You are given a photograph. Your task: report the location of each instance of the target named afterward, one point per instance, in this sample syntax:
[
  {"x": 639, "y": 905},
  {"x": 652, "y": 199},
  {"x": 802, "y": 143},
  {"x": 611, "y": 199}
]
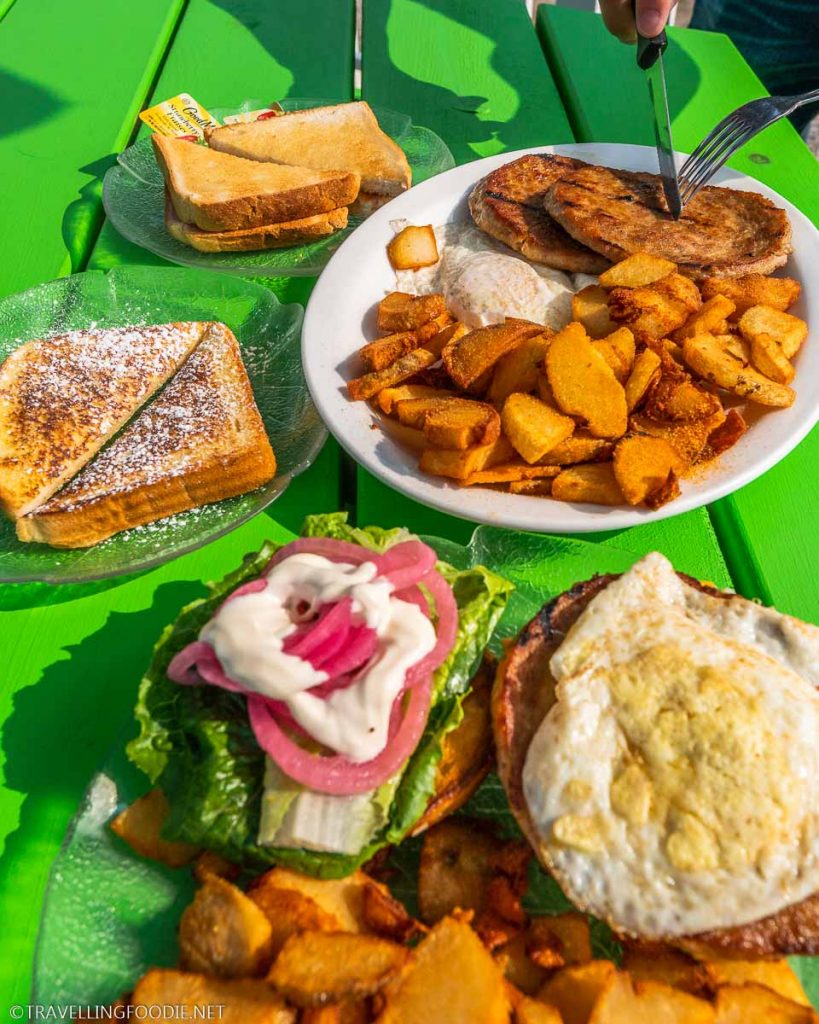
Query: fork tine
[
  {"x": 705, "y": 168},
  {"x": 691, "y": 187},
  {"x": 725, "y": 127}
]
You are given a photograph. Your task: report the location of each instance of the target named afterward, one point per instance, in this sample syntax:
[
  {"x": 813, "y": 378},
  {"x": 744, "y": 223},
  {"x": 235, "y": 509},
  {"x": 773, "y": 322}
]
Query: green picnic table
[{"x": 73, "y": 79}]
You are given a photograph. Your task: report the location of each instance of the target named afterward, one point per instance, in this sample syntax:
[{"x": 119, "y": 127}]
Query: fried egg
[
  {"x": 674, "y": 784},
  {"x": 484, "y": 282}
]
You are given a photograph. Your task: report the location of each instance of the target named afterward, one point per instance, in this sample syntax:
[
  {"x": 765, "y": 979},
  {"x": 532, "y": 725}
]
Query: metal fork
[{"x": 732, "y": 132}]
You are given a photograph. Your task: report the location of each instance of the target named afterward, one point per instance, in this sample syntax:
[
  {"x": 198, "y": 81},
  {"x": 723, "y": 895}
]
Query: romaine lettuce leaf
[{"x": 196, "y": 742}]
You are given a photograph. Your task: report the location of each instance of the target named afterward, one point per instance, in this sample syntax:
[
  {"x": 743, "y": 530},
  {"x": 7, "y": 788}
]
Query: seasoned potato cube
[
  {"x": 689, "y": 440},
  {"x": 535, "y": 488},
  {"x": 340, "y": 900},
  {"x": 584, "y": 384},
  {"x": 362, "y": 388},
  {"x": 413, "y": 248},
  {"x": 669, "y": 490},
  {"x": 590, "y": 308},
  {"x": 512, "y": 472},
  {"x": 674, "y": 350},
  {"x": 400, "y": 311},
  {"x": 645, "y": 372},
  {"x": 518, "y": 369},
  {"x": 518, "y": 966},
  {"x": 242, "y": 1001},
  {"x": 224, "y": 933},
  {"x": 753, "y": 290},
  {"x": 676, "y": 397},
  {"x": 460, "y": 423},
  {"x": 559, "y": 940},
  {"x": 768, "y": 357},
  {"x": 656, "y": 310},
  {"x": 777, "y": 975},
  {"x": 412, "y": 412},
  {"x": 475, "y": 354},
  {"x": 788, "y": 331},
  {"x": 642, "y": 465},
  {"x": 452, "y": 970},
  {"x": 727, "y": 434},
  {"x": 580, "y": 447},
  {"x": 709, "y": 319},
  {"x": 592, "y": 481},
  {"x": 378, "y": 355},
  {"x": 140, "y": 825},
  {"x": 212, "y": 865},
  {"x": 637, "y": 270},
  {"x": 389, "y": 398},
  {"x": 749, "y": 1003},
  {"x": 532, "y": 1011},
  {"x": 314, "y": 968},
  {"x": 290, "y": 912},
  {"x": 386, "y": 916},
  {"x": 618, "y": 351},
  {"x": 457, "y": 862},
  {"x": 459, "y": 464},
  {"x": 532, "y": 427},
  {"x": 705, "y": 356},
  {"x": 647, "y": 1002},
  {"x": 544, "y": 388},
  {"x": 575, "y": 990},
  {"x": 665, "y": 965}
]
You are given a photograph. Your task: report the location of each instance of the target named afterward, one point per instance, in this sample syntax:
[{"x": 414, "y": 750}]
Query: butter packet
[
  {"x": 274, "y": 110},
  {"x": 180, "y": 117}
]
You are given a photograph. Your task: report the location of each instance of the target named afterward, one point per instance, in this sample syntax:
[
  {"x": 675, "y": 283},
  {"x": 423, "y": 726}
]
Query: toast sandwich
[
  {"x": 324, "y": 138},
  {"x": 202, "y": 439},
  {"x": 62, "y": 398},
  {"x": 266, "y": 236},
  {"x": 216, "y": 191}
]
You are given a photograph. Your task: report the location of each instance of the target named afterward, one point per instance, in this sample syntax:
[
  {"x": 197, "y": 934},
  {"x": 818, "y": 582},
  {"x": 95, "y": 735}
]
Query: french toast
[
  {"x": 220, "y": 192},
  {"x": 326, "y": 138},
  {"x": 266, "y": 236},
  {"x": 202, "y": 439},
  {"x": 62, "y": 398}
]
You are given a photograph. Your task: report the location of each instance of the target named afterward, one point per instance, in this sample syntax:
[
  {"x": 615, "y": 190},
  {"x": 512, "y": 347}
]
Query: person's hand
[{"x": 652, "y": 16}]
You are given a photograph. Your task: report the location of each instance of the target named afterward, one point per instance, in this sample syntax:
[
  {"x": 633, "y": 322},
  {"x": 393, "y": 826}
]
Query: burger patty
[
  {"x": 722, "y": 232},
  {"x": 524, "y": 692},
  {"x": 508, "y": 205}
]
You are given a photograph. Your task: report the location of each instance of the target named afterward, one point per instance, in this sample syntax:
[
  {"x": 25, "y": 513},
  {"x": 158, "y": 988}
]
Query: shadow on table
[
  {"x": 60, "y": 729},
  {"x": 24, "y": 103}
]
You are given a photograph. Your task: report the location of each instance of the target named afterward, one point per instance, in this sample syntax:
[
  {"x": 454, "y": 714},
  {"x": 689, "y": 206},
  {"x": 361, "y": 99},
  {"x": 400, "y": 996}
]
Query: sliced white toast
[
  {"x": 201, "y": 439},
  {"x": 62, "y": 398},
  {"x": 345, "y": 136},
  {"x": 219, "y": 192}
]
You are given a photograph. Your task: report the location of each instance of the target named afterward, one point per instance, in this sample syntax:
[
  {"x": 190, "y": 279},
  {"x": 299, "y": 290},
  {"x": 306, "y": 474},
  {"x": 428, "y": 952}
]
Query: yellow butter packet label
[
  {"x": 181, "y": 117},
  {"x": 274, "y": 110}
]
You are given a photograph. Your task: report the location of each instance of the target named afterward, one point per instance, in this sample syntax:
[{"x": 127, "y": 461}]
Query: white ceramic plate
[{"x": 339, "y": 320}]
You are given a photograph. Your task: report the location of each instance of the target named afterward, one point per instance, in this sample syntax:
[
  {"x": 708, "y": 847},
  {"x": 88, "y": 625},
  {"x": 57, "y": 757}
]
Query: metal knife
[{"x": 650, "y": 59}]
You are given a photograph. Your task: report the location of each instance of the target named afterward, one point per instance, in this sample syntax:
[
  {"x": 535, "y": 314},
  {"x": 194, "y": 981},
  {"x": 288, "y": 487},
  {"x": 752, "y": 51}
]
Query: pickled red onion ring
[
  {"x": 446, "y": 612},
  {"x": 183, "y": 666},
  {"x": 405, "y": 564},
  {"x": 335, "y": 550},
  {"x": 333, "y": 620}
]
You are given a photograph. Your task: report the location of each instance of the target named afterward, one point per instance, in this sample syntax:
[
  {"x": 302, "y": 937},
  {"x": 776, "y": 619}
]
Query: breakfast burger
[{"x": 657, "y": 740}]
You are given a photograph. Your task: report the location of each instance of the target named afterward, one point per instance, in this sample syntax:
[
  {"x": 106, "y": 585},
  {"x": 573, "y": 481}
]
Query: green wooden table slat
[
  {"x": 72, "y": 656},
  {"x": 768, "y": 529},
  {"x": 435, "y": 61},
  {"x": 73, "y": 77}
]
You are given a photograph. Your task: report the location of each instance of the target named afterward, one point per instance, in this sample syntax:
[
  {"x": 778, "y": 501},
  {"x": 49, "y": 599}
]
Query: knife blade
[{"x": 650, "y": 59}]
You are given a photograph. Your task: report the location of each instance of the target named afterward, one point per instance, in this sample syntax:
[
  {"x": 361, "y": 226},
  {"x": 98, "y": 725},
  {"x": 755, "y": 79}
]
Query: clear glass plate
[
  {"x": 268, "y": 334},
  {"x": 134, "y": 200}
]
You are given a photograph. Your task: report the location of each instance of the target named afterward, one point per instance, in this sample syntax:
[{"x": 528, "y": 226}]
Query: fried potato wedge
[
  {"x": 573, "y": 991},
  {"x": 669, "y": 490},
  {"x": 408, "y": 437},
  {"x": 340, "y": 899},
  {"x": 378, "y": 355},
  {"x": 412, "y": 412},
  {"x": 753, "y": 290},
  {"x": 518, "y": 967},
  {"x": 457, "y": 863},
  {"x": 708, "y": 358},
  {"x": 777, "y": 975},
  {"x": 518, "y": 369},
  {"x": 362, "y": 388},
  {"x": 644, "y": 373},
  {"x": 461, "y": 423},
  {"x": 533, "y": 428},
  {"x": 654, "y": 311},
  {"x": 400, "y": 311},
  {"x": 291, "y": 912},
  {"x": 709, "y": 318},
  {"x": 677, "y": 398},
  {"x": 647, "y": 1002},
  {"x": 665, "y": 965},
  {"x": 242, "y": 1001},
  {"x": 460, "y": 464},
  {"x": 470, "y": 357},
  {"x": 594, "y": 482},
  {"x": 584, "y": 385},
  {"x": 212, "y": 865},
  {"x": 386, "y": 916},
  {"x": 314, "y": 968},
  {"x": 580, "y": 447},
  {"x": 726, "y": 435},
  {"x": 389, "y": 398},
  {"x": 413, "y": 247},
  {"x": 637, "y": 271},
  {"x": 534, "y": 488},
  {"x": 789, "y": 332},
  {"x": 559, "y": 940},
  {"x": 511, "y": 472},
  {"x": 590, "y": 307},
  {"x": 140, "y": 825},
  {"x": 618, "y": 350},
  {"x": 749, "y": 1003},
  {"x": 224, "y": 933},
  {"x": 447, "y": 334},
  {"x": 532, "y": 1011},
  {"x": 450, "y": 969},
  {"x": 689, "y": 440},
  {"x": 768, "y": 357}
]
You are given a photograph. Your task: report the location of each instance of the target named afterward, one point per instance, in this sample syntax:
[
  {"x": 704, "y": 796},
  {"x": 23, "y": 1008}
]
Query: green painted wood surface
[
  {"x": 436, "y": 60},
  {"x": 72, "y": 656},
  {"x": 73, "y": 77},
  {"x": 768, "y": 531}
]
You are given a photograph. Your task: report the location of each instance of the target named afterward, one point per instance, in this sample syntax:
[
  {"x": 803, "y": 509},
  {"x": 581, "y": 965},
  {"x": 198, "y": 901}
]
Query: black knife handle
[{"x": 648, "y": 49}]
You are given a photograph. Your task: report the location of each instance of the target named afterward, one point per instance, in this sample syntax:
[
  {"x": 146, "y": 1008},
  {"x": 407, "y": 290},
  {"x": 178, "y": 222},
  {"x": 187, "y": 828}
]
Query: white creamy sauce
[
  {"x": 484, "y": 282},
  {"x": 248, "y": 635}
]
